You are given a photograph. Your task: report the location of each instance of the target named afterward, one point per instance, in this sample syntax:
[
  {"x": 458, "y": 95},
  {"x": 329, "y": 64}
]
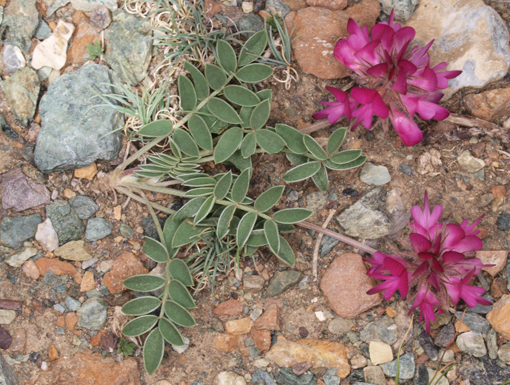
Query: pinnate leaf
[
  {"x": 178, "y": 314},
  {"x": 139, "y": 325},
  {"x": 153, "y": 351},
  {"x": 224, "y": 221},
  {"x": 180, "y": 271},
  {"x": 226, "y": 56},
  {"x": 156, "y": 129},
  {"x": 215, "y": 76},
  {"x": 185, "y": 142},
  {"x": 141, "y": 305},
  {"x": 187, "y": 93},
  {"x": 245, "y": 228},
  {"x": 228, "y": 144},
  {"x": 180, "y": 294},
  {"x": 285, "y": 253},
  {"x": 201, "y": 86},
  {"x": 206, "y": 208},
  {"x": 260, "y": 115},
  {"x": 170, "y": 333},
  {"x": 292, "y": 137},
  {"x": 254, "y": 73},
  {"x": 241, "y": 96},
  {"x": 272, "y": 236},
  {"x": 301, "y": 172},
  {"x": 241, "y": 185},
  {"x": 335, "y": 140},
  {"x": 155, "y": 250},
  {"x": 253, "y": 48},
  {"x": 314, "y": 147},
  {"x": 185, "y": 233},
  {"x": 346, "y": 166},
  {"x": 346, "y": 156},
  {"x": 144, "y": 282},
  {"x": 292, "y": 215},
  {"x": 321, "y": 178},
  {"x": 223, "y": 186},
  {"x": 248, "y": 145},
  {"x": 224, "y": 111},
  {"x": 269, "y": 198},
  {"x": 200, "y": 132},
  {"x": 269, "y": 141}
]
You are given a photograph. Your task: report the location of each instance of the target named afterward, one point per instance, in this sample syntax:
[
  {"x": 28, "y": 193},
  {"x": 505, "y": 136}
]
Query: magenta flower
[
  {"x": 439, "y": 268},
  {"x": 396, "y": 81}
]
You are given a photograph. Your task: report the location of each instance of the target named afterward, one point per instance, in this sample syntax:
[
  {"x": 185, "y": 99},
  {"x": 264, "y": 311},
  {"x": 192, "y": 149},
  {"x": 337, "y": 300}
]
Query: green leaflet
[
  {"x": 226, "y": 56},
  {"x": 144, "y": 282},
  {"x": 155, "y": 250},
  {"x": 256, "y": 238},
  {"x": 272, "y": 236},
  {"x": 241, "y": 96},
  {"x": 186, "y": 211},
  {"x": 346, "y": 166},
  {"x": 203, "y": 181},
  {"x": 269, "y": 141},
  {"x": 156, "y": 129},
  {"x": 260, "y": 115},
  {"x": 153, "y": 351},
  {"x": 178, "y": 314},
  {"x": 224, "y": 111},
  {"x": 223, "y": 186},
  {"x": 187, "y": 93},
  {"x": 248, "y": 145},
  {"x": 321, "y": 178},
  {"x": 237, "y": 160},
  {"x": 253, "y": 48},
  {"x": 301, "y": 172},
  {"x": 201, "y": 86},
  {"x": 254, "y": 73},
  {"x": 199, "y": 192},
  {"x": 292, "y": 215},
  {"x": 185, "y": 142},
  {"x": 285, "y": 253},
  {"x": 314, "y": 147},
  {"x": 180, "y": 271},
  {"x": 241, "y": 185},
  {"x": 224, "y": 221},
  {"x": 170, "y": 333},
  {"x": 346, "y": 156},
  {"x": 215, "y": 76},
  {"x": 180, "y": 294},
  {"x": 200, "y": 132},
  {"x": 141, "y": 305},
  {"x": 206, "y": 208},
  {"x": 266, "y": 94},
  {"x": 292, "y": 137},
  {"x": 269, "y": 198},
  {"x": 335, "y": 140},
  {"x": 245, "y": 228},
  {"x": 139, "y": 325},
  {"x": 296, "y": 159},
  {"x": 185, "y": 233},
  {"x": 245, "y": 115},
  {"x": 229, "y": 142}
]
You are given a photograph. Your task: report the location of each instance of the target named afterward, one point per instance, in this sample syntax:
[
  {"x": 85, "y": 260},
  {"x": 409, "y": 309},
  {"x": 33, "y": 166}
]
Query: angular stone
[
  {"x": 71, "y": 320},
  {"x": 66, "y": 222},
  {"x": 31, "y": 270},
  {"x": 18, "y": 259},
  {"x": 90, "y": 5},
  {"x": 55, "y": 266},
  {"x": 75, "y": 132},
  {"x": 403, "y": 9},
  {"x": 367, "y": 218},
  {"x": 380, "y": 352},
  {"x": 496, "y": 258},
  {"x": 7, "y": 316},
  {"x": 345, "y": 284},
  {"x": 7, "y": 374},
  {"x": 101, "y": 18},
  {"x": 88, "y": 172},
  {"x": 47, "y": 236},
  {"x": 87, "y": 368},
  {"x": 483, "y": 57},
  {"x": 84, "y": 206},
  {"x": 124, "y": 266},
  {"x": 74, "y": 251},
  {"x": 92, "y": 314},
  {"x": 10, "y": 304},
  {"x": 5, "y": 341},
  {"x": 231, "y": 307},
  {"x": 21, "y": 193},
  {"x": 281, "y": 281},
  {"x": 13, "y": 58},
  {"x": 225, "y": 342},
  {"x": 472, "y": 343},
  {"x": 84, "y": 35},
  {"x": 97, "y": 228},
  {"x": 321, "y": 354},
  {"x": 469, "y": 163},
  {"x": 406, "y": 367},
  {"x": 19, "y": 342},
  {"x": 333, "y": 5},
  {"x": 20, "y": 21},
  {"x": 22, "y": 92},
  {"x": 489, "y": 105},
  {"x": 445, "y": 336},
  {"x": 52, "y": 51},
  {"x": 228, "y": 378},
  {"x": 499, "y": 316},
  {"x": 374, "y": 175},
  {"x": 374, "y": 375},
  {"x": 340, "y": 325},
  {"x": 261, "y": 338},
  {"x": 14, "y": 231},
  {"x": 87, "y": 283},
  {"x": 128, "y": 57},
  {"x": 53, "y": 353},
  {"x": 317, "y": 30},
  {"x": 269, "y": 320},
  {"x": 253, "y": 283},
  {"x": 238, "y": 327},
  {"x": 475, "y": 322},
  {"x": 211, "y": 8}
]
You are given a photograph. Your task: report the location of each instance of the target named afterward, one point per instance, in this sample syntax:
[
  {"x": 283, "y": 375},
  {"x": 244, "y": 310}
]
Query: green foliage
[
  {"x": 125, "y": 347},
  {"x": 94, "y": 50}
]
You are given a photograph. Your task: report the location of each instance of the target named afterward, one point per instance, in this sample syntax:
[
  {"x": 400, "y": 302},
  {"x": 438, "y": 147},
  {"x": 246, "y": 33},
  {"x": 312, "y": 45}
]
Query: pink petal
[
  {"x": 420, "y": 58},
  {"x": 379, "y": 107},
  {"x": 429, "y": 110},
  {"x": 368, "y": 53},
  {"x": 453, "y": 291},
  {"x": 408, "y": 130},
  {"x": 363, "y": 95},
  {"x": 469, "y": 243},
  {"x": 454, "y": 233},
  {"x": 378, "y": 70},
  {"x": 419, "y": 242},
  {"x": 407, "y": 66},
  {"x": 353, "y": 27},
  {"x": 427, "y": 80},
  {"x": 453, "y": 257},
  {"x": 400, "y": 84},
  {"x": 403, "y": 37}
]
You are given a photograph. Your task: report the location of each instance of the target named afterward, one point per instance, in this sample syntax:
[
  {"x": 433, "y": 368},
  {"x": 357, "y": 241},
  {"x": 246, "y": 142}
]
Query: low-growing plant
[
  {"x": 126, "y": 347},
  {"x": 95, "y": 50}
]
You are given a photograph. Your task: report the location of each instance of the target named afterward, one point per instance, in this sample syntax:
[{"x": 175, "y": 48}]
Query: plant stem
[
  {"x": 128, "y": 193},
  {"x": 318, "y": 125},
  {"x": 340, "y": 237},
  {"x": 154, "y": 216}
]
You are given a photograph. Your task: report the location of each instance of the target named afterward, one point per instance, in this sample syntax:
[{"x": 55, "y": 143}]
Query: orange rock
[
  {"x": 211, "y": 8},
  {"x": 243, "y": 349},
  {"x": 55, "y": 266},
  {"x": 87, "y": 283},
  {"x": 60, "y": 321},
  {"x": 71, "y": 320},
  {"x": 334, "y": 5},
  {"x": 321, "y": 354},
  {"x": 499, "y": 316},
  {"x": 262, "y": 339},
  {"x": 38, "y": 306},
  {"x": 496, "y": 258},
  {"x": 88, "y": 172},
  {"x": 461, "y": 327},
  {"x": 499, "y": 287},
  {"x": 345, "y": 285},
  {"x": 84, "y": 34},
  {"x": 30, "y": 269},
  {"x": 123, "y": 267},
  {"x": 86, "y": 368},
  {"x": 391, "y": 313},
  {"x": 225, "y": 342},
  {"x": 232, "y": 308},
  {"x": 269, "y": 320},
  {"x": 499, "y": 191},
  {"x": 117, "y": 212},
  {"x": 96, "y": 340},
  {"x": 53, "y": 353},
  {"x": 488, "y": 105},
  {"x": 239, "y": 326}
]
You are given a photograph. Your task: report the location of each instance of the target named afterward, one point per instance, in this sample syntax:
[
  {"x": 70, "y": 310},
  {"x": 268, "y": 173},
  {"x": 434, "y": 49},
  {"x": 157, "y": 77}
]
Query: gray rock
[
  {"x": 183, "y": 348},
  {"x": 317, "y": 200},
  {"x": 340, "y": 325},
  {"x": 249, "y": 24},
  {"x": 444, "y": 336},
  {"x": 22, "y": 92},
  {"x": 14, "y": 231},
  {"x": 292, "y": 196},
  {"x": 217, "y": 325},
  {"x": 287, "y": 377},
  {"x": 503, "y": 223},
  {"x": 74, "y": 133},
  {"x": 367, "y": 218},
  {"x": 277, "y": 7},
  {"x": 7, "y": 375},
  {"x": 331, "y": 377},
  {"x": 126, "y": 231},
  {"x": 60, "y": 308},
  {"x": 374, "y": 375},
  {"x": 428, "y": 345},
  {"x": 92, "y": 314},
  {"x": 504, "y": 353},
  {"x": 66, "y": 222},
  {"x": 97, "y": 228},
  {"x": 492, "y": 344},
  {"x": 72, "y": 304},
  {"x": 481, "y": 309},
  {"x": 21, "y": 193},
  {"x": 475, "y": 371},
  {"x": 18, "y": 259},
  {"x": 403, "y": 8},
  {"x": 101, "y": 18},
  {"x": 13, "y": 58},
  {"x": 408, "y": 170},
  {"x": 475, "y": 322},
  {"x": 21, "y": 19},
  {"x": 56, "y": 4},
  {"x": 253, "y": 283},
  {"x": 406, "y": 367},
  {"x": 387, "y": 330},
  {"x": 424, "y": 375},
  {"x": 129, "y": 47},
  {"x": 89, "y": 5},
  {"x": 469, "y": 163},
  {"x": 261, "y": 377},
  {"x": 149, "y": 228},
  {"x": 327, "y": 245},
  {"x": 43, "y": 31},
  {"x": 281, "y": 281},
  {"x": 374, "y": 175},
  {"x": 472, "y": 343},
  {"x": 84, "y": 206}
]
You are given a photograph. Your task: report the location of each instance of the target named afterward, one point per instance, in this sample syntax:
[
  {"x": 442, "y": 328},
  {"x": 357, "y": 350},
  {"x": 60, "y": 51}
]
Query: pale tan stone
[
  {"x": 88, "y": 172},
  {"x": 239, "y": 326},
  {"x": 499, "y": 316}
]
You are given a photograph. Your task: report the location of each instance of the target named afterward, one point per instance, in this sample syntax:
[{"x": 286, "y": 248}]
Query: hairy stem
[{"x": 153, "y": 215}]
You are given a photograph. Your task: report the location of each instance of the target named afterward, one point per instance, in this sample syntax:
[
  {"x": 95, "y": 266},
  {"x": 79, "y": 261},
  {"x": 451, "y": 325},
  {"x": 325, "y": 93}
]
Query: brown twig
[
  {"x": 479, "y": 126},
  {"x": 318, "y": 125},
  {"x": 318, "y": 243},
  {"x": 340, "y": 237}
]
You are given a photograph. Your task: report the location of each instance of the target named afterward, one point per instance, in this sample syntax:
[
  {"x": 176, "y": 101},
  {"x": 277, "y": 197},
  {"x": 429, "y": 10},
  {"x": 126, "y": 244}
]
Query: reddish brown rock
[
  {"x": 211, "y": 8},
  {"x": 499, "y": 288},
  {"x": 489, "y": 105},
  {"x": 498, "y": 191},
  {"x": 231, "y": 308},
  {"x": 478, "y": 149},
  {"x": 499, "y": 316},
  {"x": 261, "y": 338},
  {"x": 496, "y": 258},
  {"x": 30, "y": 269},
  {"x": 71, "y": 320},
  {"x": 53, "y": 353},
  {"x": 5, "y": 338},
  {"x": 89, "y": 369},
  {"x": 56, "y": 266},
  {"x": 10, "y": 304},
  {"x": 345, "y": 286},
  {"x": 21, "y": 193},
  {"x": 334, "y": 5},
  {"x": 239, "y": 326},
  {"x": 225, "y": 342},
  {"x": 321, "y": 354},
  {"x": 317, "y": 30},
  {"x": 269, "y": 320},
  {"x": 84, "y": 34},
  {"x": 295, "y": 5},
  {"x": 100, "y": 18},
  {"x": 272, "y": 300},
  {"x": 123, "y": 267},
  {"x": 96, "y": 339}
]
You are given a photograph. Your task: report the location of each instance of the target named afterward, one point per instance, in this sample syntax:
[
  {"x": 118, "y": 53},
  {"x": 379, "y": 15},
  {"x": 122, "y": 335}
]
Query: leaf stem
[{"x": 153, "y": 215}]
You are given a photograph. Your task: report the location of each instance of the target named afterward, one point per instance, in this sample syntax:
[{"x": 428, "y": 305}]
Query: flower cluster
[
  {"x": 438, "y": 270},
  {"x": 396, "y": 81}
]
